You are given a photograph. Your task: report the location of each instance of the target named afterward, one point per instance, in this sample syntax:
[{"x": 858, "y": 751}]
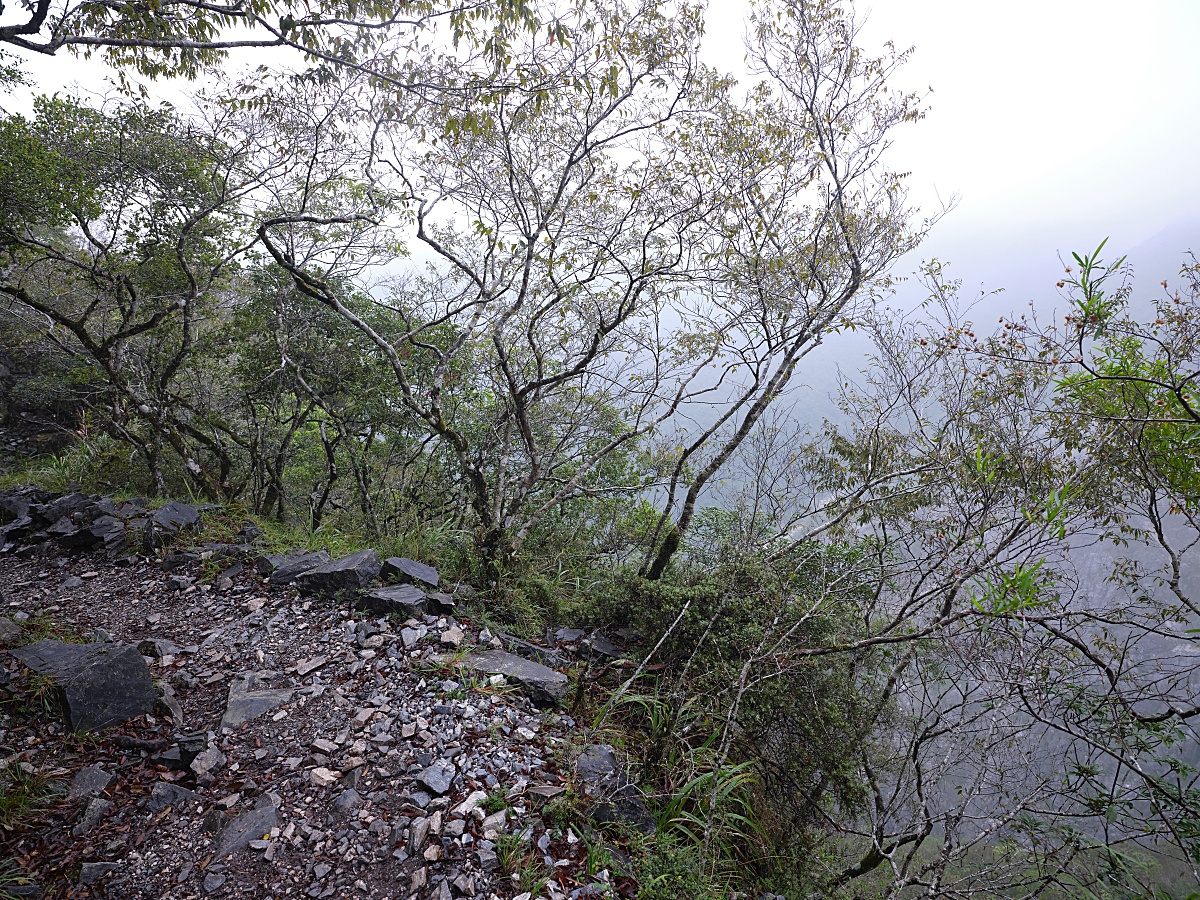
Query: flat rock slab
[
  {"x": 166, "y": 523},
  {"x": 400, "y": 568},
  {"x": 401, "y": 599},
  {"x": 249, "y": 826},
  {"x": 89, "y": 782},
  {"x": 438, "y": 777},
  {"x": 165, "y": 795},
  {"x": 544, "y": 686},
  {"x": 102, "y": 684},
  {"x": 247, "y": 700},
  {"x": 286, "y": 569},
  {"x": 351, "y": 573}
]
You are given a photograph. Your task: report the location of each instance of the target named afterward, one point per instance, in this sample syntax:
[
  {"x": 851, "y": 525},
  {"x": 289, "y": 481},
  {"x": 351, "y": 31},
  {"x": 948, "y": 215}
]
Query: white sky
[{"x": 1055, "y": 122}]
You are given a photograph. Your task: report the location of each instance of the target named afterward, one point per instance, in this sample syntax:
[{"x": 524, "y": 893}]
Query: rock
[
  {"x": 88, "y": 782},
  {"x": 486, "y": 860},
  {"x": 543, "y": 655},
  {"x": 157, "y": 648},
  {"x": 348, "y": 801},
  {"x": 180, "y": 583},
  {"x": 288, "y": 568},
  {"x": 618, "y": 800},
  {"x": 402, "y": 599},
  {"x": 441, "y": 604},
  {"x": 96, "y": 810},
  {"x": 249, "y": 826},
  {"x": 10, "y": 631},
  {"x": 165, "y": 795},
  {"x": 452, "y": 636},
  {"x": 544, "y": 686},
  {"x": 398, "y": 568},
  {"x": 209, "y": 760},
  {"x": 247, "y": 701},
  {"x": 349, "y": 574},
  {"x": 438, "y": 777},
  {"x": 213, "y": 882},
  {"x": 418, "y": 833},
  {"x": 168, "y": 521},
  {"x": 102, "y": 684},
  {"x": 598, "y": 647},
  {"x": 90, "y": 873},
  {"x": 323, "y": 777}
]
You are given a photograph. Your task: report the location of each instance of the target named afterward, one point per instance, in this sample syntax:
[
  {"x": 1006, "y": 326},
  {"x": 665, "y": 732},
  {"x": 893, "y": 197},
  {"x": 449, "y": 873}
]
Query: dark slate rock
[
  {"x": 90, "y": 873},
  {"x": 102, "y": 684},
  {"x": 247, "y": 827},
  {"x": 349, "y": 574},
  {"x": 348, "y": 801},
  {"x": 569, "y": 635},
  {"x": 438, "y": 777},
  {"x": 10, "y": 631},
  {"x": 168, "y": 521},
  {"x": 401, "y": 599},
  {"x": 544, "y": 686},
  {"x": 178, "y": 559},
  {"x": 89, "y": 782},
  {"x": 399, "y": 568},
  {"x": 247, "y": 700},
  {"x": 617, "y": 799},
  {"x": 64, "y": 506},
  {"x": 165, "y": 795},
  {"x": 543, "y": 655},
  {"x": 601, "y": 648},
  {"x": 440, "y": 603},
  {"x": 97, "y": 809},
  {"x": 157, "y": 648},
  {"x": 287, "y": 568}
]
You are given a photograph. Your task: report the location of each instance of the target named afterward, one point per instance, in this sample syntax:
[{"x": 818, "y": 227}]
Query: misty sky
[{"x": 1054, "y": 122}]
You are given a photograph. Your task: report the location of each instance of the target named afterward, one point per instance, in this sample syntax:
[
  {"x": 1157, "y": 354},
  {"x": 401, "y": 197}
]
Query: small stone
[
  {"x": 90, "y": 873},
  {"x": 96, "y": 810},
  {"x": 348, "y": 801},
  {"x": 213, "y": 882},
  {"x": 322, "y": 777},
  {"x": 438, "y": 777},
  {"x": 89, "y": 781},
  {"x": 418, "y": 833},
  {"x": 452, "y": 636},
  {"x": 164, "y": 795}
]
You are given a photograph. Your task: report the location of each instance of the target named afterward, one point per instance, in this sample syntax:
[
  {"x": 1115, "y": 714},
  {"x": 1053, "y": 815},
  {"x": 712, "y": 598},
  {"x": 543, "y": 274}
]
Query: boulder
[
  {"x": 399, "y": 568},
  {"x": 102, "y": 684},
  {"x": 286, "y": 569},
  {"x": 248, "y": 701},
  {"x": 544, "y": 686},
  {"x": 350, "y": 574},
  {"x": 401, "y": 599}
]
